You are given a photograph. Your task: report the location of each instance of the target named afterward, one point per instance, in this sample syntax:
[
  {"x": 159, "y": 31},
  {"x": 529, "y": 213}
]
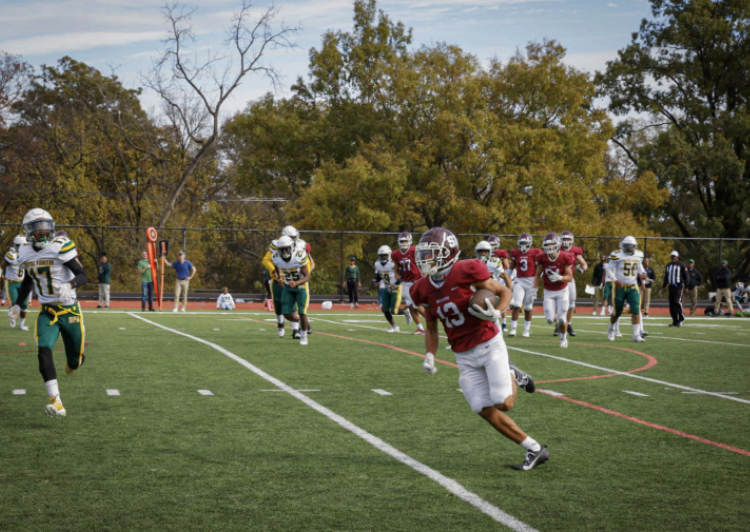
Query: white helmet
[
  {"x": 628, "y": 245},
  {"x": 404, "y": 241},
  {"x": 39, "y": 227},
  {"x": 19, "y": 240},
  {"x": 481, "y": 248},
  {"x": 291, "y": 232},
  {"x": 384, "y": 254},
  {"x": 285, "y": 245}
]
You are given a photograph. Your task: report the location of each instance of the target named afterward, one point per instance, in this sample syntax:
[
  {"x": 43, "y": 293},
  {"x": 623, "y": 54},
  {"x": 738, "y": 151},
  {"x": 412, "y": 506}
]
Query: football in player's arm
[
  {"x": 487, "y": 378},
  {"x": 53, "y": 270}
]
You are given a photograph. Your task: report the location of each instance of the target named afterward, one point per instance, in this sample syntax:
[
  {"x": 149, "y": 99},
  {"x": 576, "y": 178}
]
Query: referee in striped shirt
[{"x": 675, "y": 276}]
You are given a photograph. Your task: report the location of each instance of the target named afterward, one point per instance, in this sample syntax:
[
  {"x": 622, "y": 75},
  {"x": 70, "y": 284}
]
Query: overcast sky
[{"x": 126, "y": 34}]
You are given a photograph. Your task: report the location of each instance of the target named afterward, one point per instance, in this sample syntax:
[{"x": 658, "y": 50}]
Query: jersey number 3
[{"x": 454, "y": 316}]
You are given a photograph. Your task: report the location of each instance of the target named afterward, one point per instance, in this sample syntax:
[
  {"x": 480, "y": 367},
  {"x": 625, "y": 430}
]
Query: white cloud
[
  {"x": 611, "y": 5},
  {"x": 69, "y": 42},
  {"x": 591, "y": 61}
]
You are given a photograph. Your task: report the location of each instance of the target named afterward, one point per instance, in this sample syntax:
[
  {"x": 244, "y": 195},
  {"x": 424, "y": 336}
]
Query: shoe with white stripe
[
  {"x": 56, "y": 408},
  {"x": 533, "y": 459}
]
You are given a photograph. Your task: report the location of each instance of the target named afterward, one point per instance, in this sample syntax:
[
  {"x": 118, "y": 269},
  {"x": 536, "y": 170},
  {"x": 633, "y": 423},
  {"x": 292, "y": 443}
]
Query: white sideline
[
  {"x": 562, "y": 359},
  {"x": 680, "y": 339},
  {"x": 451, "y": 485}
]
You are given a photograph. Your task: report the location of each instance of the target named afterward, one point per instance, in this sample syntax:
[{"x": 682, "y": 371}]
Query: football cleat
[
  {"x": 68, "y": 370},
  {"x": 557, "y": 330},
  {"x": 295, "y": 334},
  {"x": 174, "y": 310},
  {"x": 571, "y": 332},
  {"x": 618, "y": 334},
  {"x": 512, "y": 333},
  {"x": 526, "y": 334},
  {"x": 638, "y": 339},
  {"x": 394, "y": 329},
  {"x": 407, "y": 313},
  {"x": 564, "y": 343},
  {"x": 419, "y": 331},
  {"x": 56, "y": 408},
  {"x": 303, "y": 338},
  {"x": 309, "y": 329},
  {"x": 12, "y": 322},
  {"x": 611, "y": 334},
  {"x": 281, "y": 332},
  {"x": 23, "y": 328},
  {"x": 533, "y": 459},
  {"x": 644, "y": 334},
  {"x": 183, "y": 309},
  {"x": 523, "y": 379}
]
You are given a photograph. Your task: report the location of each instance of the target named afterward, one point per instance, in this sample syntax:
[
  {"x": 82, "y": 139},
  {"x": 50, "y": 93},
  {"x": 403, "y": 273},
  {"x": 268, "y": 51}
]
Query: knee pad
[
  {"x": 46, "y": 364},
  {"x": 562, "y": 321},
  {"x": 550, "y": 321}
]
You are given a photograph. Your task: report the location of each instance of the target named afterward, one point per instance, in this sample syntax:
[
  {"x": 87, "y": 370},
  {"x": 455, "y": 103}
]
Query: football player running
[
  {"x": 488, "y": 380},
  {"x": 556, "y": 266},
  {"x": 580, "y": 264},
  {"x": 53, "y": 270},
  {"x": 292, "y": 233},
  {"x": 277, "y": 290},
  {"x": 497, "y": 266},
  {"x": 624, "y": 268},
  {"x": 293, "y": 270},
  {"x": 386, "y": 271},
  {"x": 523, "y": 261},
  {"x": 14, "y": 274},
  {"x": 403, "y": 258}
]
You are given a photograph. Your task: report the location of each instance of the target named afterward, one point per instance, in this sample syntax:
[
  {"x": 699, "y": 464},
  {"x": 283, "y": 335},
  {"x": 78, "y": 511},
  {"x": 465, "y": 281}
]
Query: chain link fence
[{"x": 232, "y": 256}]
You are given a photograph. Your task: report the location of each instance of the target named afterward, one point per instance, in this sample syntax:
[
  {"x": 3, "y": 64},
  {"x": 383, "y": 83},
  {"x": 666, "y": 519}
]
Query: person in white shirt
[{"x": 225, "y": 301}]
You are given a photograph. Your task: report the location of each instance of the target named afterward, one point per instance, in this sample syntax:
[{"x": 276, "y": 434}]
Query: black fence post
[
  {"x": 720, "y": 250},
  {"x": 184, "y": 239}
]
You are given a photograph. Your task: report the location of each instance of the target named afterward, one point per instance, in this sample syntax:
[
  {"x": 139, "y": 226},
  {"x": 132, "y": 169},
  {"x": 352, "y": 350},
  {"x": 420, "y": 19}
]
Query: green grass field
[{"x": 254, "y": 456}]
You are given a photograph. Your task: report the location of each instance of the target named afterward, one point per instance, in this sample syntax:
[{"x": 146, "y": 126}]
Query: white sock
[
  {"x": 526, "y": 326},
  {"x": 295, "y": 326},
  {"x": 513, "y": 325},
  {"x": 505, "y": 321},
  {"x": 563, "y": 335},
  {"x": 21, "y": 323},
  {"x": 52, "y": 389},
  {"x": 420, "y": 327},
  {"x": 530, "y": 444},
  {"x": 280, "y": 319},
  {"x": 636, "y": 329},
  {"x": 303, "y": 334}
]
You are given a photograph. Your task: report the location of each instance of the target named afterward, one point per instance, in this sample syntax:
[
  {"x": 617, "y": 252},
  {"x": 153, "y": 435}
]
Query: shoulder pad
[
  {"x": 638, "y": 254},
  {"x": 65, "y": 245}
]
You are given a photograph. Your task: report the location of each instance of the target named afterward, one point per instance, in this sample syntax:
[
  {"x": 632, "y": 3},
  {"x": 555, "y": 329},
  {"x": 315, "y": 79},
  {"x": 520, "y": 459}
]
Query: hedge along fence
[{"x": 232, "y": 256}]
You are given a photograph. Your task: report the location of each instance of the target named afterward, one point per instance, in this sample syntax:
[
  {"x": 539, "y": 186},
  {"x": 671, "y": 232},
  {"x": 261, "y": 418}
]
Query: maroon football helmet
[
  {"x": 551, "y": 243},
  {"x": 494, "y": 241},
  {"x": 566, "y": 238},
  {"x": 524, "y": 242},
  {"x": 404, "y": 241},
  {"x": 437, "y": 251}
]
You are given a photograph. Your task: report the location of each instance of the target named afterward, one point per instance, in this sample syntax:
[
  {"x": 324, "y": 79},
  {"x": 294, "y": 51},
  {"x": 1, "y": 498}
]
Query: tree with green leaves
[{"x": 687, "y": 74}]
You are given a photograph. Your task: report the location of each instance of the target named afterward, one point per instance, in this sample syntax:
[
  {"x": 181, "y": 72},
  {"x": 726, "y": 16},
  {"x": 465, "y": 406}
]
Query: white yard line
[
  {"x": 635, "y": 393},
  {"x": 600, "y": 368},
  {"x": 680, "y": 339},
  {"x": 448, "y": 483}
]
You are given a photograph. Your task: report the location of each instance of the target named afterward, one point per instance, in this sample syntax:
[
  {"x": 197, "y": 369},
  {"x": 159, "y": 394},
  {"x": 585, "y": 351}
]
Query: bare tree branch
[{"x": 194, "y": 91}]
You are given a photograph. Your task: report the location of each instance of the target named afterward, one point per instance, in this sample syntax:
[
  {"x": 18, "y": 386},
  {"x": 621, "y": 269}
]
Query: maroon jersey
[
  {"x": 500, "y": 254},
  {"x": 526, "y": 262},
  {"x": 555, "y": 266},
  {"x": 407, "y": 266},
  {"x": 450, "y": 304},
  {"x": 576, "y": 251}
]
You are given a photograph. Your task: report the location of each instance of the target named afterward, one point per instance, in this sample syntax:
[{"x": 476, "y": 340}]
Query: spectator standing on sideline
[
  {"x": 147, "y": 283},
  {"x": 675, "y": 276},
  {"x": 353, "y": 281},
  {"x": 723, "y": 280},
  {"x": 225, "y": 300},
  {"x": 646, "y": 285},
  {"x": 185, "y": 272},
  {"x": 694, "y": 280},
  {"x": 104, "y": 279},
  {"x": 598, "y": 282}
]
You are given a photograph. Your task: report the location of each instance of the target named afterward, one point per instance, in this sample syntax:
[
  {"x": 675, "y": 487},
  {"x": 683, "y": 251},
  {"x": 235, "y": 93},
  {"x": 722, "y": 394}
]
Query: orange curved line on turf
[
  {"x": 373, "y": 343},
  {"x": 651, "y": 363},
  {"x": 649, "y": 424}
]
